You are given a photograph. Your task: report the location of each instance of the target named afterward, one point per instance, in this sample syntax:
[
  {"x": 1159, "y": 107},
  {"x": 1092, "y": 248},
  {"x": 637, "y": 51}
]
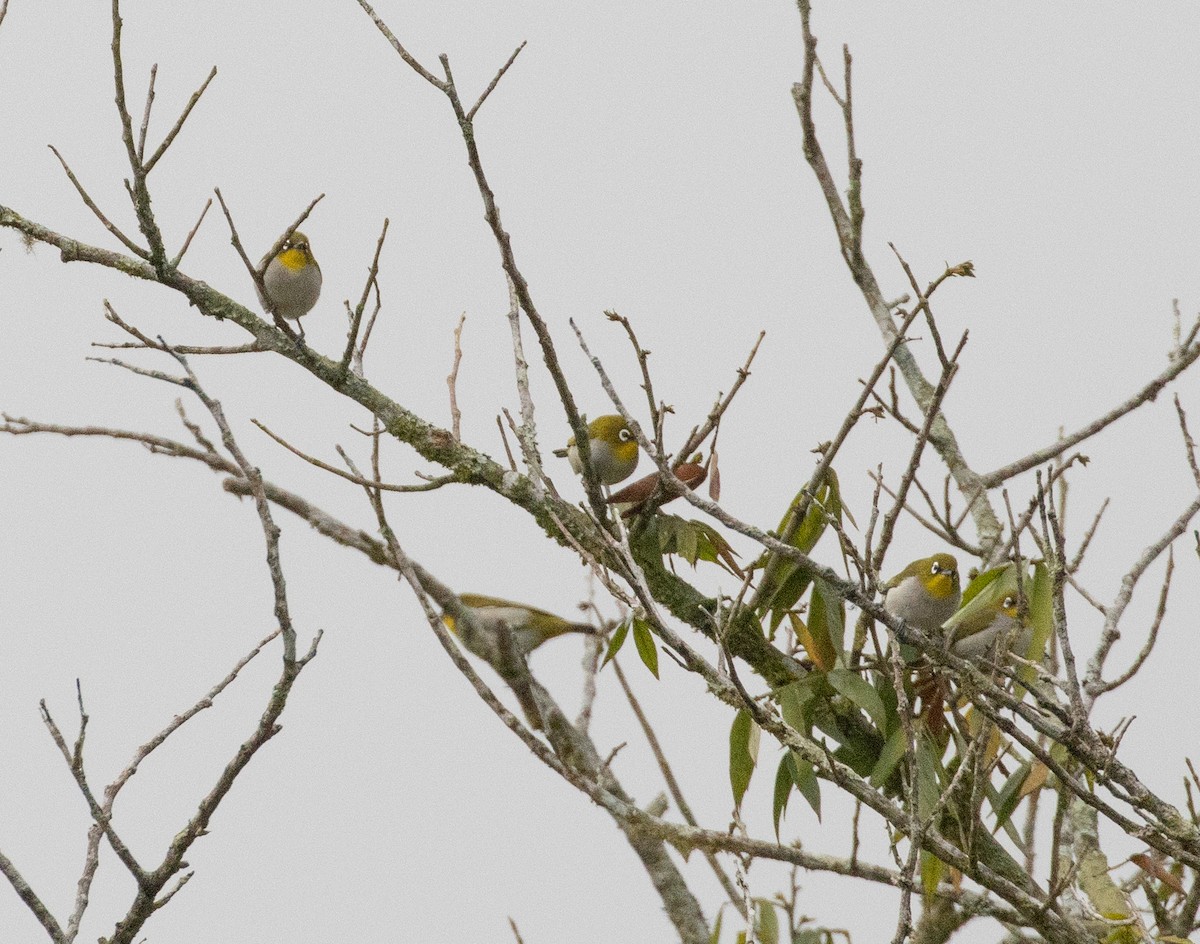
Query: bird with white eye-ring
[{"x": 612, "y": 448}]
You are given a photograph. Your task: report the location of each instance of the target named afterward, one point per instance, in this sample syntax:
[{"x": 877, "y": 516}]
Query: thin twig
[
  {"x": 191, "y": 235},
  {"x": 404, "y": 54},
  {"x": 495, "y": 81},
  {"x": 452, "y": 381},
  {"x": 178, "y": 126},
  {"x": 357, "y": 480},
  {"x": 356, "y": 315},
  {"x": 141, "y": 142},
  {"x": 91, "y": 205}
]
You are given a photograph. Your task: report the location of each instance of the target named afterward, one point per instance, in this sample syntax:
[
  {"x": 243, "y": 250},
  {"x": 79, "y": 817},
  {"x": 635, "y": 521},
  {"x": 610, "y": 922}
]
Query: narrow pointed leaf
[
  {"x": 793, "y": 701},
  {"x": 861, "y": 693},
  {"x": 806, "y": 781},
  {"x": 1041, "y": 618},
  {"x": 743, "y": 753},
  {"x": 615, "y": 644},
  {"x": 889, "y": 757},
  {"x": 644, "y": 640},
  {"x": 783, "y": 790},
  {"x": 932, "y": 869},
  {"x": 1009, "y": 797},
  {"x": 828, "y": 610},
  {"x": 818, "y": 647}
]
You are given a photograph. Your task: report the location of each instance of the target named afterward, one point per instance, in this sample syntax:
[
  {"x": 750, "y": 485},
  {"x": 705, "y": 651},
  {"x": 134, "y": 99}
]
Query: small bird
[
  {"x": 292, "y": 279},
  {"x": 975, "y": 631},
  {"x": 529, "y": 626},
  {"x": 613, "y": 449},
  {"x": 925, "y": 593}
]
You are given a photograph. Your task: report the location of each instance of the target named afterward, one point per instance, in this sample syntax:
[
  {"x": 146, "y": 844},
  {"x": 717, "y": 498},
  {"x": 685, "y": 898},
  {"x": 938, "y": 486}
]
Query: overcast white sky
[{"x": 646, "y": 157}]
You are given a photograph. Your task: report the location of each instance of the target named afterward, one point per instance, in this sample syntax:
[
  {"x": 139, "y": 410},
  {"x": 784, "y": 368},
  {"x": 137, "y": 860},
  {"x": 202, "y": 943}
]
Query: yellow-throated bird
[
  {"x": 613, "y": 449},
  {"x": 925, "y": 593},
  {"x": 292, "y": 279},
  {"x": 976, "y": 631},
  {"x": 529, "y": 626}
]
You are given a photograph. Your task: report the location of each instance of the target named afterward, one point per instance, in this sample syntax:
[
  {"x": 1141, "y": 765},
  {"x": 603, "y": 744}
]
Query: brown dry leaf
[
  {"x": 1156, "y": 870},
  {"x": 690, "y": 474}
]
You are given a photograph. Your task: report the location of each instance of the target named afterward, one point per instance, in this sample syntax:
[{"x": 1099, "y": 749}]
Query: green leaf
[
  {"x": 805, "y": 778},
  {"x": 930, "y": 776},
  {"x": 644, "y": 640},
  {"x": 617, "y": 641},
  {"x": 981, "y": 582},
  {"x": 932, "y": 869},
  {"x": 1041, "y": 614},
  {"x": 827, "y": 615},
  {"x": 766, "y": 922},
  {"x": 859, "y": 691},
  {"x": 743, "y": 753},
  {"x": 793, "y": 700},
  {"x": 788, "y": 582},
  {"x": 783, "y": 790},
  {"x": 1009, "y": 796},
  {"x": 889, "y": 757}
]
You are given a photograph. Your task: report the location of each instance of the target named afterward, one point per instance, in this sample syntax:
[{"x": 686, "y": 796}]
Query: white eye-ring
[
  {"x": 624, "y": 435},
  {"x": 1009, "y": 603},
  {"x": 936, "y": 568}
]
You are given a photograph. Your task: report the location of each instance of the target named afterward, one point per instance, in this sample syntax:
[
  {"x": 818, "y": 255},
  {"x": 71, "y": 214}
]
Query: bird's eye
[
  {"x": 936, "y": 568},
  {"x": 624, "y": 435},
  {"x": 1010, "y": 603}
]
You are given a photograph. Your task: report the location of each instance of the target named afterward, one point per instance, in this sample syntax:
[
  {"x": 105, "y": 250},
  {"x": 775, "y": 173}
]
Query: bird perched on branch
[
  {"x": 529, "y": 626},
  {"x": 976, "y": 631},
  {"x": 292, "y": 279},
  {"x": 925, "y": 593},
  {"x": 612, "y": 447}
]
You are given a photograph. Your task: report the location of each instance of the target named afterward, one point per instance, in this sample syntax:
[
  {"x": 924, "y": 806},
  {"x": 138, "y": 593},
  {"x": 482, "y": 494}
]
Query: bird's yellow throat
[
  {"x": 293, "y": 259},
  {"x": 940, "y": 586}
]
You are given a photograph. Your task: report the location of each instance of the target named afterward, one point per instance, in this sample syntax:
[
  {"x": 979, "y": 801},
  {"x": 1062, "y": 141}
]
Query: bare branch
[
  {"x": 357, "y": 480},
  {"x": 698, "y": 436},
  {"x": 356, "y": 316},
  {"x": 1093, "y": 681},
  {"x": 138, "y": 194},
  {"x": 452, "y": 381},
  {"x": 1147, "y": 394},
  {"x": 191, "y": 235},
  {"x": 178, "y": 126},
  {"x": 141, "y": 142},
  {"x": 495, "y": 81},
  {"x": 91, "y": 205},
  {"x": 1151, "y": 636},
  {"x": 404, "y": 54},
  {"x": 10, "y": 872},
  {"x": 848, "y": 227}
]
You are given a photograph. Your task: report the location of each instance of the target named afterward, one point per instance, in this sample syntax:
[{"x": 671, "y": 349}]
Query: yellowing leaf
[
  {"x": 1038, "y": 773},
  {"x": 819, "y": 648}
]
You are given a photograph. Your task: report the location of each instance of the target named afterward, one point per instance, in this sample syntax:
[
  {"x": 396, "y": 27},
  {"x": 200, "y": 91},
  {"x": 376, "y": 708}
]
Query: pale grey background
[{"x": 646, "y": 158}]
